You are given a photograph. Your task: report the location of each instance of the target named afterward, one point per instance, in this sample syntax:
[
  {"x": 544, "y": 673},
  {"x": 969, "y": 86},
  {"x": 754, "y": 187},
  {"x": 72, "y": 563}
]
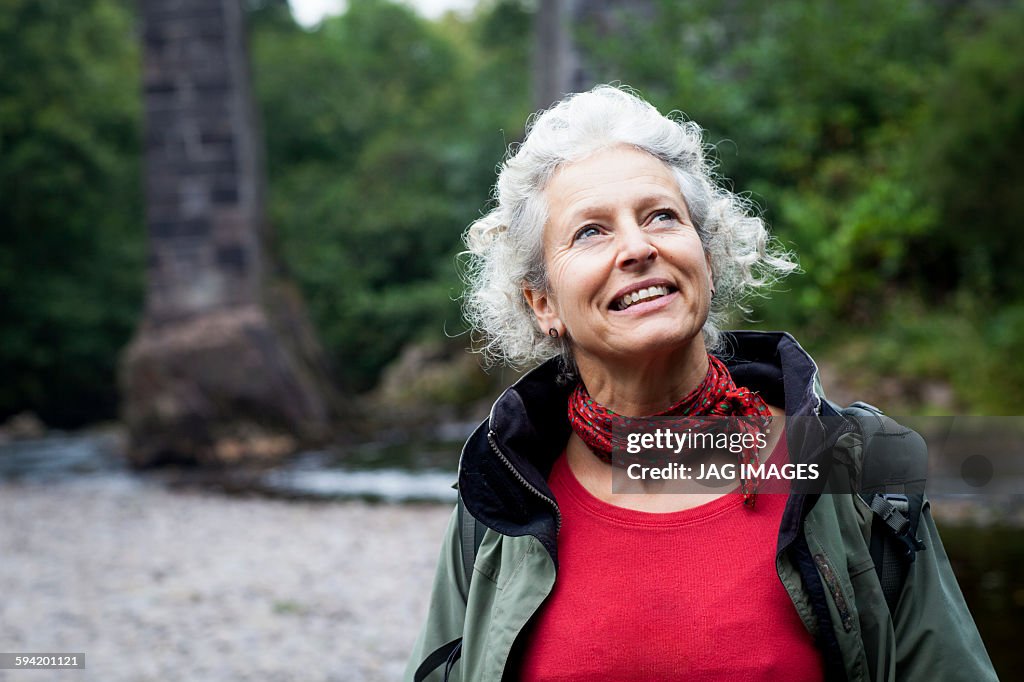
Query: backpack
[{"x": 894, "y": 467}]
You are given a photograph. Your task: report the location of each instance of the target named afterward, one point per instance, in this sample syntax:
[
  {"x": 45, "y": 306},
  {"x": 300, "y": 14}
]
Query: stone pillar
[
  {"x": 560, "y": 63},
  {"x": 556, "y": 63},
  {"x": 224, "y": 366}
]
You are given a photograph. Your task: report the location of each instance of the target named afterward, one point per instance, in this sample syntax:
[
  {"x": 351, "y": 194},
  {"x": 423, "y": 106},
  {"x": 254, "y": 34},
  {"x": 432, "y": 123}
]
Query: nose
[{"x": 635, "y": 248}]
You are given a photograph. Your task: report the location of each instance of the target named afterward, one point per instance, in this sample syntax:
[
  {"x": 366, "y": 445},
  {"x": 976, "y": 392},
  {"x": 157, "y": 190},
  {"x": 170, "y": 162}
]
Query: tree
[
  {"x": 70, "y": 205},
  {"x": 381, "y": 149}
]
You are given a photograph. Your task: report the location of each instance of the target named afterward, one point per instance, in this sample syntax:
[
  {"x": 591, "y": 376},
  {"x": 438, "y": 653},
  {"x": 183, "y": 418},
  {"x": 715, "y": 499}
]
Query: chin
[{"x": 661, "y": 341}]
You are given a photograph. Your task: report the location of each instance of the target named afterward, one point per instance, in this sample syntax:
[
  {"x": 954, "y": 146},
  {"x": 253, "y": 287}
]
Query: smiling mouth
[{"x": 642, "y": 295}]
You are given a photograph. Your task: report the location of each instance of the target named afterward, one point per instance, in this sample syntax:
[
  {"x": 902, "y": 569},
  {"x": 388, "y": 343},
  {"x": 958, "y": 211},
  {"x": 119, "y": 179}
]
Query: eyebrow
[{"x": 645, "y": 202}]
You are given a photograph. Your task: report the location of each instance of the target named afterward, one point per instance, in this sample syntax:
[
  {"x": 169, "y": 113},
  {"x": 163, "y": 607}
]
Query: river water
[{"x": 378, "y": 471}]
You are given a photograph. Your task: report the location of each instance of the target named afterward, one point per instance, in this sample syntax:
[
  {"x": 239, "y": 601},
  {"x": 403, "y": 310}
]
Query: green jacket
[{"x": 823, "y": 557}]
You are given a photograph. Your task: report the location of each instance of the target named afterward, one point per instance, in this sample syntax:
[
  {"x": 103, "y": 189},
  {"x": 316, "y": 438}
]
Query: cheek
[
  {"x": 689, "y": 254},
  {"x": 575, "y": 279}
]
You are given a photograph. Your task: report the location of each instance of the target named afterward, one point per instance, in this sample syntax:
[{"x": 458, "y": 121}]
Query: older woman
[{"x": 610, "y": 257}]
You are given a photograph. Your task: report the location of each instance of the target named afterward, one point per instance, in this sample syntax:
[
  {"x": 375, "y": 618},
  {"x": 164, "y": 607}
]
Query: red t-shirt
[{"x": 690, "y": 595}]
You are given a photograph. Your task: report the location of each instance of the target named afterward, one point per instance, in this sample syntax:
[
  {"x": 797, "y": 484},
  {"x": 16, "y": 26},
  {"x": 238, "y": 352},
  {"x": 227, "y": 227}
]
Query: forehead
[{"x": 610, "y": 179}]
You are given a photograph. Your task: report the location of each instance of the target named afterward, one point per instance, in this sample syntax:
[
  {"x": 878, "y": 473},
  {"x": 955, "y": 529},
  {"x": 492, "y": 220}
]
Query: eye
[
  {"x": 664, "y": 216},
  {"x": 586, "y": 232}
]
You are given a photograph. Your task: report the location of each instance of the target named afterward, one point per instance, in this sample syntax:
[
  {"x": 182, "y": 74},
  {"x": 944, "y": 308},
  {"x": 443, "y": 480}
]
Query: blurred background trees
[
  {"x": 879, "y": 139},
  {"x": 383, "y": 130},
  {"x": 71, "y": 230}
]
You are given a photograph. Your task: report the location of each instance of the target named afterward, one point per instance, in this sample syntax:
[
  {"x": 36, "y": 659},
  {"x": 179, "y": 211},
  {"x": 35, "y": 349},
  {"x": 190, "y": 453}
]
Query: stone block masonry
[{"x": 224, "y": 366}]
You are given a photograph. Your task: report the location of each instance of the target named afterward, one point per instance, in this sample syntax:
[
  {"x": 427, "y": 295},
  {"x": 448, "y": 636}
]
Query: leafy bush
[
  {"x": 71, "y": 245},
  {"x": 383, "y": 130}
]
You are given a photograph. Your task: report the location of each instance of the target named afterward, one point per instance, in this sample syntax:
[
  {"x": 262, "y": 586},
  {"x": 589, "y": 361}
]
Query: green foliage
[
  {"x": 808, "y": 104},
  {"x": 70, "y": 207},
  {"x": 382, "y": 133},
  {"x": 969, "y": 141},
  {"x": 881, "y": 138},
  {"x": 959, "y": 346}
]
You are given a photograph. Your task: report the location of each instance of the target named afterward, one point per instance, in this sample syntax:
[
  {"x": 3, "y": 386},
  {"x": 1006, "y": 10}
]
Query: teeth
[{"x": 641, "y": 295}]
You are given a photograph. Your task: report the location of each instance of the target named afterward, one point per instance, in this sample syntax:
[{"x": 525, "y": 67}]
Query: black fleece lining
[{"x": 759, "y": 369}]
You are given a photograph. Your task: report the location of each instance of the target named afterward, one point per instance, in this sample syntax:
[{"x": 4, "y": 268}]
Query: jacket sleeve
[
  {"x": 936, "y": 638},
  {"x": 446, "y": 614}
]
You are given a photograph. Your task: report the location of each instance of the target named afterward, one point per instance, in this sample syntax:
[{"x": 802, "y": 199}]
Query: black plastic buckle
[{"x": 911, "y": 545}]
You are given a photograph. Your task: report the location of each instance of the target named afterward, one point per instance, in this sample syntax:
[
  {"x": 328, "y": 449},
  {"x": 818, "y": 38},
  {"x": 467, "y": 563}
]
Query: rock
[
  {"x": 22, "y": 426},
  {"x": 432, "y": 382},
  {"x": 217, "y": 389}
]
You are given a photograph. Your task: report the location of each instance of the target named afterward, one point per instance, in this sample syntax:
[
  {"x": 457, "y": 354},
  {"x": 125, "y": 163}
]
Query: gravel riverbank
[{"x": 154, "y": 584}]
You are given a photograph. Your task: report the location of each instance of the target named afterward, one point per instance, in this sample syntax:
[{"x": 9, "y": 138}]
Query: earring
[{"x": 553, "y": 333}]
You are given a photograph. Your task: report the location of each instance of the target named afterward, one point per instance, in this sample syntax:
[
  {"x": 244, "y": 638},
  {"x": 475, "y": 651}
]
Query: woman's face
[{"x": 618, "y": 228}]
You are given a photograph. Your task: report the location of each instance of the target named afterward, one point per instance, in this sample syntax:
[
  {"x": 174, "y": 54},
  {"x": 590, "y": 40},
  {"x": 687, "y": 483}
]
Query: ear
[
  {"x": 711, "y": 272},
  {"x": 543, "y": 307}
]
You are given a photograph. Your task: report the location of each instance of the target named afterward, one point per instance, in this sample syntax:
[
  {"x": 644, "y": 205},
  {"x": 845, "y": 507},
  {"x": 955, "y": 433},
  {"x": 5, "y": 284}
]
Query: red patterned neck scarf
[{"x": 717, "y": 395}]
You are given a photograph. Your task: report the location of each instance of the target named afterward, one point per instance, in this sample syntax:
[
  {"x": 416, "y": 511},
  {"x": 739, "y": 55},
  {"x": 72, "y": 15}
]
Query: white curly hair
[{"x": 505, "y": 248}]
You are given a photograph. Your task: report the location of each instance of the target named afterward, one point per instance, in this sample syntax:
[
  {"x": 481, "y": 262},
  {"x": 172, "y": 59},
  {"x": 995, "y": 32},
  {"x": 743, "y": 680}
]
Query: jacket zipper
[{"x": 526, "y": 484}]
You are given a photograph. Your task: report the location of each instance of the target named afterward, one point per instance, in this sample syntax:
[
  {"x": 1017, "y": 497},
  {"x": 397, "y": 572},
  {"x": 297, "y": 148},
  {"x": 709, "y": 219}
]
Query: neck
[{"x": 639, "y": 386}]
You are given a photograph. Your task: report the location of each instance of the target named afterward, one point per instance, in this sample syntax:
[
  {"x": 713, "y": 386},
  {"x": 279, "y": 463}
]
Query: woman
[{"x": 610, "y": 256}]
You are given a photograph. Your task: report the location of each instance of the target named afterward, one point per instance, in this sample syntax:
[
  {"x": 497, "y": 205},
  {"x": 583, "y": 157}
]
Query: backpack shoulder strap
[
  {"x": 894, "y": 467},
  {"x": 471, "y": 534}
]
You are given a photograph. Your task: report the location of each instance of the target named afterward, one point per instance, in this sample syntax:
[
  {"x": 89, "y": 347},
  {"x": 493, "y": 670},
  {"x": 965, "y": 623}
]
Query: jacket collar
[{"x": 505, "y": 463}]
